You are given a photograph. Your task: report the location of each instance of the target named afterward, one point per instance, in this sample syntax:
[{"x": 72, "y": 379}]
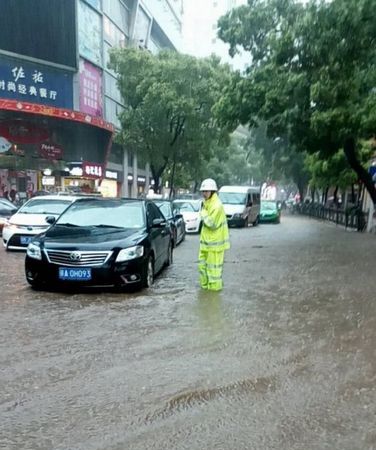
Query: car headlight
[
  {"x": 34, "y": 251},
  {"x": 237, "y": 215},
  {"x": 130, "y": 253}
]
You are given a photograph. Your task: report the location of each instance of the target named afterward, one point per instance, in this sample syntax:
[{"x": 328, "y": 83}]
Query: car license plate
[
  {"x": 25, "y": 240},
  {"x": 74, "y": 274}
]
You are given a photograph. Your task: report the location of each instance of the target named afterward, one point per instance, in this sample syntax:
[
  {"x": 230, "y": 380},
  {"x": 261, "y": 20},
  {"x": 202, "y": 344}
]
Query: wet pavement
[{"x": 284, "y": 358}]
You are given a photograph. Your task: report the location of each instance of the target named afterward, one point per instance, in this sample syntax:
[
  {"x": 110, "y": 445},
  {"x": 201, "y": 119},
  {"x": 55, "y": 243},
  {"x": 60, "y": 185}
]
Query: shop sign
[
  {"x": 36, "y": 84},
  {"x": 50, "y": 151},
  {"x": 110, "y": 174},
  {"x": 92, "y": 170},
  {"x": 76, "y": 172},
  {"x": 90, "y": 89},
  {"x": 48, "y": 181},
  {"x": 141, "y": 179}
]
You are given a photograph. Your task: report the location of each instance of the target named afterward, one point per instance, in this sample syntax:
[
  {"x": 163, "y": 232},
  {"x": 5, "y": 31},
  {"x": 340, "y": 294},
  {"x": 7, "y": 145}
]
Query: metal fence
[{"x": 350, "y": 218}]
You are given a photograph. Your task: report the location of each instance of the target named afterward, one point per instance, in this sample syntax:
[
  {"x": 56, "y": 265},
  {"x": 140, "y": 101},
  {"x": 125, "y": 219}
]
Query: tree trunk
[
  {"x": 335, "y": 196},
  {"x": 157, "y": 173},
  {"x": 352, "y": 194},
  {"x": 301, "y": 187},
  {"x": 172, "y": 180},
  {"x": 364, "y": 176}
]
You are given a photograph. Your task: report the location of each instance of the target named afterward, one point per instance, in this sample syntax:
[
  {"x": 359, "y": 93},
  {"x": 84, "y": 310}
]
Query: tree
[
  {"x": 168, "y": 99},
  {"x": 312, "y": 76}
]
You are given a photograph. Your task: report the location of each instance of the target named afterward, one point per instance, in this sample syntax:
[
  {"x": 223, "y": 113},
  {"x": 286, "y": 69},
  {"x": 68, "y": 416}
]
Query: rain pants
[{"x": 214, "y": 240}]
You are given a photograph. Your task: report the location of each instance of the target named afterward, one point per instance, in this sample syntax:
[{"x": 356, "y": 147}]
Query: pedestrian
[{"x": 214, "y": 237}]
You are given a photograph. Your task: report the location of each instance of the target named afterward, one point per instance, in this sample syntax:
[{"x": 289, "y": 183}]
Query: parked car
[
  {"x": 241, "y": 204},
  {"x": 270, "y": 211},
  {"x": 101, "y": 242},
  {"x": 175, "y": 219},
  {"x": 7, "y": 209},
  {"x": 190, "y": 209},
  {"x": 30, "y": 219}
]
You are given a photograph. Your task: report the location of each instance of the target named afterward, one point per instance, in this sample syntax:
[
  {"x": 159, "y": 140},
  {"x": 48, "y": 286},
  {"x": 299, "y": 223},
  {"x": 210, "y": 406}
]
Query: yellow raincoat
[{"x": 214, "y": 240}]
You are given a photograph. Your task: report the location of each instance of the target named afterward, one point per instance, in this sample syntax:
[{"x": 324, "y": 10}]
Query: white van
[{"x": 241, "y": 204}]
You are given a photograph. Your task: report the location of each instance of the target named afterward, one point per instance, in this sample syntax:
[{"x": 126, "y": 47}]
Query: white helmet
[{"x": 208, "y": 185}]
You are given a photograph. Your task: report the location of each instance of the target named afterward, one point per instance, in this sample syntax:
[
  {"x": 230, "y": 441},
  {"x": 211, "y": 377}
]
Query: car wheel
[
  {"x": 35, "y": 284},
  {"x": 148, "y": 278}
]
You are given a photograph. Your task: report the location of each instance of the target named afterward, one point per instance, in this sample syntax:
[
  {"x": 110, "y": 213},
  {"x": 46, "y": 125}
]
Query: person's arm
[{"x": 211, "y": 219}]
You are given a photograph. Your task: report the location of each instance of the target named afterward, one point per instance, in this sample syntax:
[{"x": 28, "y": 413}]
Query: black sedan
[
  {"x": 101, "y": 243},
  {"x": 175, "y": 219}
]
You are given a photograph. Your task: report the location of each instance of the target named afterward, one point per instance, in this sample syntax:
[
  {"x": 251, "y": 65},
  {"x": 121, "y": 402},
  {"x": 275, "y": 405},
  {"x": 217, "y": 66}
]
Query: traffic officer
[{"x": 214, "y": 237}]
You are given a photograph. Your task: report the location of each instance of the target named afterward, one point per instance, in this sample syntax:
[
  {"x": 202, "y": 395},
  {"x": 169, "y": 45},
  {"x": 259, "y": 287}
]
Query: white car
[
  {"x": 30, "y": 219},
  {"x": 190, "y": 209}
]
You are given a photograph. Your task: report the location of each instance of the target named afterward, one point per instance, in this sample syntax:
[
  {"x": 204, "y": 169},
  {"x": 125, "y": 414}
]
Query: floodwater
[{"x": 283, "y": 358}]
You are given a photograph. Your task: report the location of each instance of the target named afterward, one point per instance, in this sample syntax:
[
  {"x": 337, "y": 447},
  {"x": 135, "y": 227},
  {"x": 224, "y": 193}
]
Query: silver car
[{"x": 30, "y": 219}]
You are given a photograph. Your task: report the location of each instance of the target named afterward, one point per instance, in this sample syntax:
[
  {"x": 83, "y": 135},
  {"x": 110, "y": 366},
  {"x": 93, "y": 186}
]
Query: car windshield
[
  {"x": 269, "y": 206},
  {"x": 188, "y": 206},
  {"x": 44, "y": 206},
  {"x": 109, "y": 213},
  {"x": 165, "y": 208},
  {"x": 232, "y": 198}
]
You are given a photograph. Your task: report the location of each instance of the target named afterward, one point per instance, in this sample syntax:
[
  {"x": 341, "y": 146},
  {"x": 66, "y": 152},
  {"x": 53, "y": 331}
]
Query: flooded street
[{"x": 283, "y": 358}]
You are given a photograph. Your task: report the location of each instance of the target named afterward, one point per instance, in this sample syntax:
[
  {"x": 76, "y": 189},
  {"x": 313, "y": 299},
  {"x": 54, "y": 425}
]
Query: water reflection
[{"x": 209, "y": 310}]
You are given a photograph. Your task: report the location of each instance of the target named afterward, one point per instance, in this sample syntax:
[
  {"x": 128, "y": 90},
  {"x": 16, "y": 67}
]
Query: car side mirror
[
  {"x": 178, "y": 215},
  {"x": 51, "y": 220},
  {"x": 158, "y": 223}
]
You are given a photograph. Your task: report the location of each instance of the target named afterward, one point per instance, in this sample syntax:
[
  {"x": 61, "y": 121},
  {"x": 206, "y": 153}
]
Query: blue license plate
[
  {"x": 25, "y": 240},
  {"x": 74, "y": 274}
]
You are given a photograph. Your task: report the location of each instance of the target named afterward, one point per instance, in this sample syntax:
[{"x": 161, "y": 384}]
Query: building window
[
  {"x": 112, "y": 34},
  {"x": 106, "y": 55},
  {"x": 118, "y": 13},
  {"x": 141, "y": 29},
  {"x": 111, "y": 89},
  {"x": 89, "y": 33},
  {"x": 112, "y": 111}
]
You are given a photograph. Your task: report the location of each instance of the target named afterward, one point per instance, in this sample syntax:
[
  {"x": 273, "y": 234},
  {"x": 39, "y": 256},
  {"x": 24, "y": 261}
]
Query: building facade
[{"x": 59, "y": 102}]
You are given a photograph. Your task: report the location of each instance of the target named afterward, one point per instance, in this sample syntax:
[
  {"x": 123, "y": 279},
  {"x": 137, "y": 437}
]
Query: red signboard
[
  {"x": 50, "y": 151},
  {"x": 60, "y": 113},
  {"x": 92, "y": 170}
]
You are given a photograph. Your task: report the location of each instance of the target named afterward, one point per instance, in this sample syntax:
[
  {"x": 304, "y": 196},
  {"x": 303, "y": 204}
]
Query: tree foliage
[
  {"x": 169, "y": 97},
  {"x": 311, "y": 77}
]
